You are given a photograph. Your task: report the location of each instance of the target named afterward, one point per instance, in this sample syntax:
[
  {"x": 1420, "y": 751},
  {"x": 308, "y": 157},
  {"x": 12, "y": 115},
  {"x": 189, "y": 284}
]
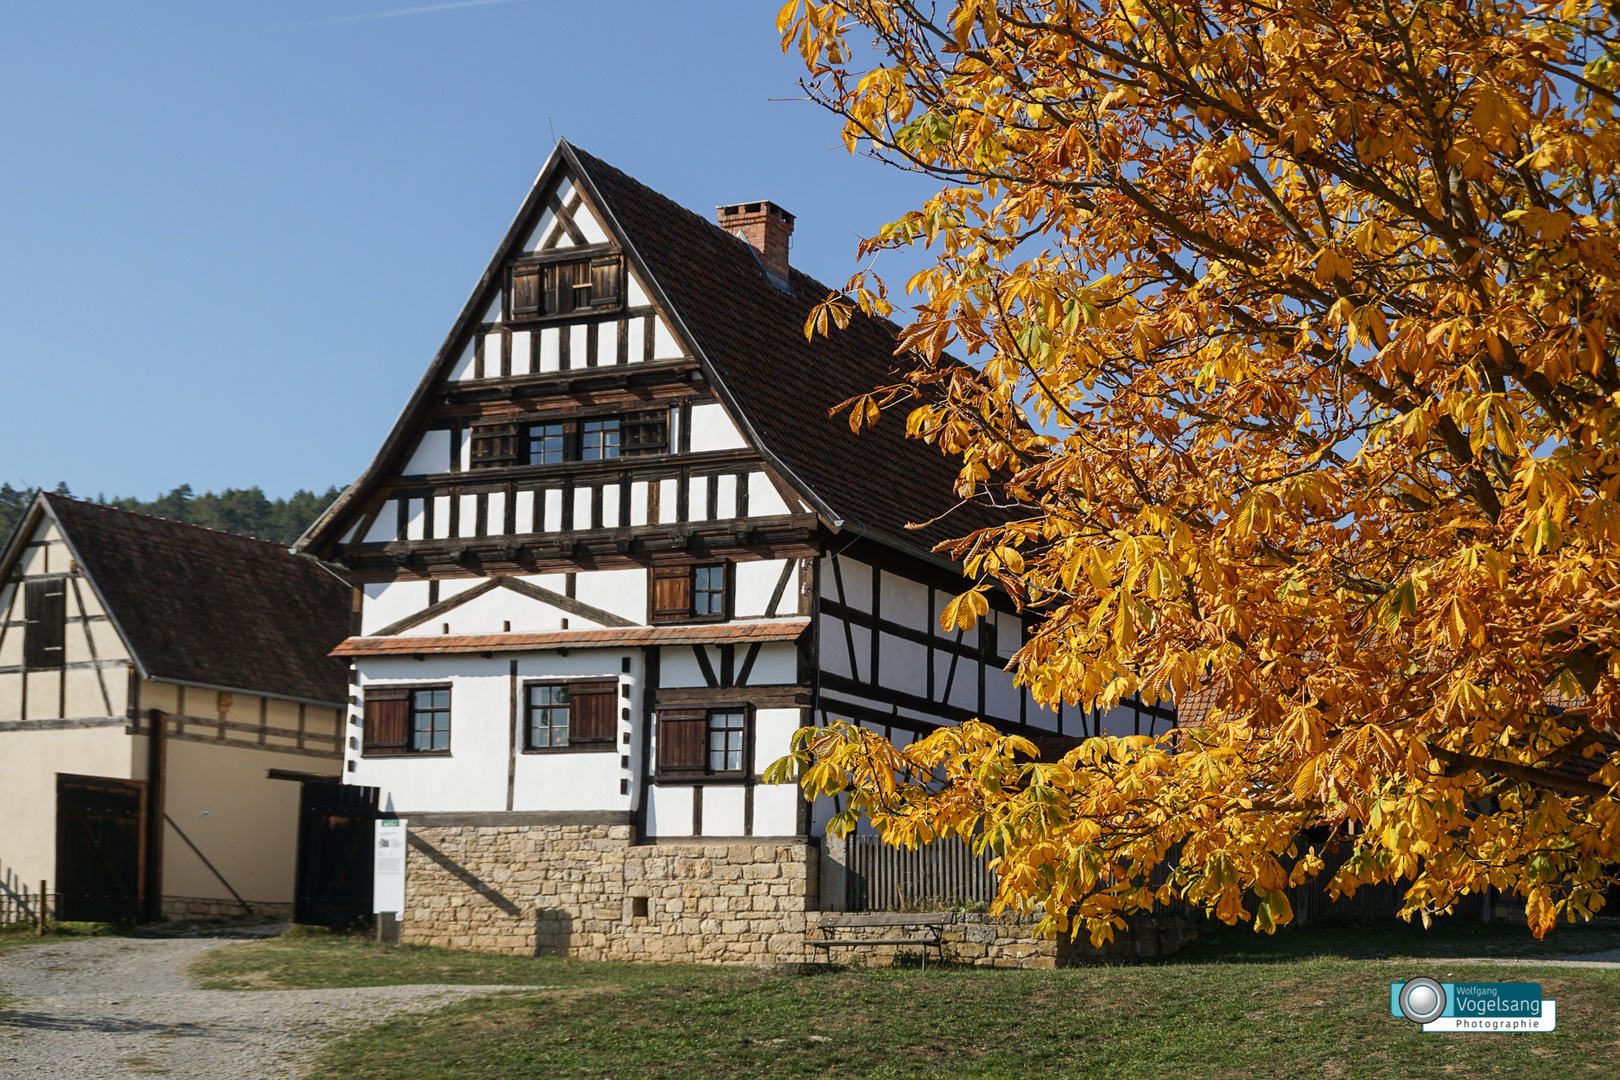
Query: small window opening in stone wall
[{"x": 638, "y": 907}]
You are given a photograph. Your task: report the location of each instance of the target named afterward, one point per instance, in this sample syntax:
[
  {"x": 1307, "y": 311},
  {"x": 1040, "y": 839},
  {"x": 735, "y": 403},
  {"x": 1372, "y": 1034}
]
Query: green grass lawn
[{"x": 1310, "y": 1003}]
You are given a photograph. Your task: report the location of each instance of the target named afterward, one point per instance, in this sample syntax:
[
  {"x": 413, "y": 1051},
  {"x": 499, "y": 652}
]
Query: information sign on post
[{"x": 388, "y": 867}]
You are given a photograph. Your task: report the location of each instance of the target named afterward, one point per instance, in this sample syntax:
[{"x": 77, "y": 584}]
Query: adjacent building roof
[
  {"x": 209, "y": 608},
  {"x": 748, "y": 335}
]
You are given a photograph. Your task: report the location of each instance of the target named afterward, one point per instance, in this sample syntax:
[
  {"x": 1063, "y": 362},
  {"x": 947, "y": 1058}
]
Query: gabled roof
[
  {"x": 202, "y": 607},
  {"x": 748, "y": 336}
]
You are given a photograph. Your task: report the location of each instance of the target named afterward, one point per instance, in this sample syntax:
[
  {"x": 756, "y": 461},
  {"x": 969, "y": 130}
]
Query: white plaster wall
[
  {"x": 568, "y": 780},
  {"x": 473, "y": 775},
  {"x": 723, "y": 810},
  {"x": 902, "y": 664},
  {"x": 607, "y": 343},
  {"x": 904, "y": 601},
  {"x": 467, "y": 522},
  {"x": 386, "y": 527},
  {"x": 520, "y": 352},
  {"x": 432, "y": 454},
  {"x": 776, "y": 809},
  {"x": 965, "y": 690},
  {"x": 523, "y": 511},
  {"x": 610, "y": 506},
  {"x": 490, "y": 612},
  {"x": 578, "y": 345},
  {"x": 1009, "y": 633},
  {"x": 550, "y": 349},
  {"x": 441, "y": 516},
  {"x": 623, "y": 592},
  {"x": 637, "y": 293},
  {"x": 755, "y": 583},
  {"x": 669, "y": 810},
  {"x": 712, "y": 429},
  {"x": 725, "y": 497},
  {"x": 635, "y": 340},
  {"x": 679, "y": 667},
  {"x": 389, "y": 602},
  {"x": 857, "y": 579},
  {"x": 542, "y": 230},
  {"x": 697, "y": 498},
  {"x": 665, "y": 347},
  {"x": 462, "y": 369},
  {"x": 763, "y": 498},
  {"x": 582, "y": 508},
  {"x": 415, "y": 519},
  {"x": 668, "y": 492},
  {"x": 496, "y": 523},
  {"x": 493, "y": 344},
  {"x": 492, "y": 314},
  {"x": 553, "y": 511},
  {"x": 585, "y": 219},
  {"x": 1000, "y": 695},
  {"x": 777, "y": 664},
  {"x": 638, "y": 503},
  {"x": 773, "y": 736},
  {"x": 834, "y": 649},
  {"x": 250, "y": 832}
]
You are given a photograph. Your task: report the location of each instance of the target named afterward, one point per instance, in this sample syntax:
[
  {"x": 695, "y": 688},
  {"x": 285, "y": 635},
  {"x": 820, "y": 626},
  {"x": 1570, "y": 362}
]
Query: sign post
[{"x": 388, "y": 870}]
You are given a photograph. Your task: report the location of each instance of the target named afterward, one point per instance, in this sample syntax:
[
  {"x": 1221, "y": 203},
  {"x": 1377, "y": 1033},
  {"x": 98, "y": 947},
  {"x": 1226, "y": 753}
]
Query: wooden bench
[{"x": 930, "y": 932}]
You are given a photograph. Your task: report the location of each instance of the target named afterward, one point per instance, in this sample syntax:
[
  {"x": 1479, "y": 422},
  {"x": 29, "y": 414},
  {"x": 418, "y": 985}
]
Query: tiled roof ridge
[{"x": 110, "y": 508}]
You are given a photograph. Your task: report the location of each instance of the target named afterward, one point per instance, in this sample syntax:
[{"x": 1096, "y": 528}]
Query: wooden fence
[
  {"x": 19, "y": 903},
  {"x": 944, "y": 874}
]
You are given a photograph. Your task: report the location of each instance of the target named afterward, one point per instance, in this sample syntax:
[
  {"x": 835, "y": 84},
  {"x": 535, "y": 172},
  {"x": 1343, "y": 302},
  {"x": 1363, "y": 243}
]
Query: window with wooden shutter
[
  {"x": 683, "y": 741},
  {"x": 494, "y": 445},
  {"x": 595, "y": 705},
  {"x": 527, "y": 285},
  {"x": 388, "y": 714},
  {"x": 45, "y": 611},
  {"x": 605, "y": 282},
  {"x": 671, "y": 593},
  {"x": 645, "y": 433}
]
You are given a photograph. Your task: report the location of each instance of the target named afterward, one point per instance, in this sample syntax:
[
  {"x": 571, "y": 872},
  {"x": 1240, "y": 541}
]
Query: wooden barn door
[
  {"x": 98, "y": 848},
  {"x": 334, "y": 854}
]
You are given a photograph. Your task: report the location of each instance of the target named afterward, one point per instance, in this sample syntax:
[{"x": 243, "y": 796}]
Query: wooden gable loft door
[{"x": 99, "y": 848}]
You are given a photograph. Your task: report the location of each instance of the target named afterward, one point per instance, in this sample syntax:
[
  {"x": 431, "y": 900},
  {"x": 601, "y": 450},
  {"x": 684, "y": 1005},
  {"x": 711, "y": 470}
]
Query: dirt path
[{"x": 116, "y": 1008}]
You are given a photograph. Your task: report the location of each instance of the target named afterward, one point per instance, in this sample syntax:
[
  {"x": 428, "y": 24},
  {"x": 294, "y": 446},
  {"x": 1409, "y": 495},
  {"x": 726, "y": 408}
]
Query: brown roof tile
[
  {"x": 753, "y": 335},
  {"x": 210, "y": 608},
  {"x": 613, "y": 638}
]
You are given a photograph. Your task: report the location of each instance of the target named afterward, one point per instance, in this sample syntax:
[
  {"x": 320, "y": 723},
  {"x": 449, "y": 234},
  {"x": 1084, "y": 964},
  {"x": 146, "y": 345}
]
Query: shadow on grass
[{"x": 1446, "y": 938}]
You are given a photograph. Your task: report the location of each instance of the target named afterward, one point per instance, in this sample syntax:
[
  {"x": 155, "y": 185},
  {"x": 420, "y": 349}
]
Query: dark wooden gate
[
  {"x": 98, "y": 848},
  {"x": 334, "y": 854}
]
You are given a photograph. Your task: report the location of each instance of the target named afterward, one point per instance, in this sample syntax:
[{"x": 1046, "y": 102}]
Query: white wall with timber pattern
[{"x": 473, "y": 775}]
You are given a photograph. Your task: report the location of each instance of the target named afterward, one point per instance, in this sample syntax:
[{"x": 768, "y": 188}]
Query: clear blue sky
[{"x": 233, "y": 235}]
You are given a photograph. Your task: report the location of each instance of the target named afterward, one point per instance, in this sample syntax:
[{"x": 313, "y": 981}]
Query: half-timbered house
[
  {"x": 154, "y": 678},
  {"x": 613, "y": 553}
]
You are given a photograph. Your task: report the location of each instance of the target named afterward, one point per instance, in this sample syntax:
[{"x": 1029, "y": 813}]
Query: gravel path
[{"x": 120, "y": 1008}]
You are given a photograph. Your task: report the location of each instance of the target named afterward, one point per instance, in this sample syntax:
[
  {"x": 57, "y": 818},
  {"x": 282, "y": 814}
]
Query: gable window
[
  {"x": 702, "y": 742},
  {"x": 560, "y": 288},
  {"x": 687, "y": 593},
  {"x": 494, "y": 445},
  {"x": 599, "y": 439},
  {"x": 406, "y": 720},
  {"x": 645, "y": 432},
  {"x": 548, "y": 444},
  {"x": 579, "y": 715},
  {"x": 45, "y": 613}
]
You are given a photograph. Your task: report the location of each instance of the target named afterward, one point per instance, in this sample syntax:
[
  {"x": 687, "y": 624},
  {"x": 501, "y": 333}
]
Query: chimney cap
[{"x": 748, "y": 209}]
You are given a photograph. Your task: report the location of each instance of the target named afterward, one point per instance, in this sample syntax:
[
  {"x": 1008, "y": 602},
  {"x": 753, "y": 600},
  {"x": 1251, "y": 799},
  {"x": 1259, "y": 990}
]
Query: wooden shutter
[
  {"x": 526, "y": 289},
  {"x": 388, "y": 713},
  {"x": 45, "y": 611},
  {"x": 593, "y": 706},
  {"x": 558, "y": 284},
  {"x": 672, "y": 593},
  {"x": 494, "y": 445},
  {"x": 683, "y": 741},
  {"x": 644, "y": 433},
  {"x": 605, "y": 282}
]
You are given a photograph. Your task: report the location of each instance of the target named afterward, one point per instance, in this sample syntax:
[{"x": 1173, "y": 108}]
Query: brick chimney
[{"x": 766, "y": 226}]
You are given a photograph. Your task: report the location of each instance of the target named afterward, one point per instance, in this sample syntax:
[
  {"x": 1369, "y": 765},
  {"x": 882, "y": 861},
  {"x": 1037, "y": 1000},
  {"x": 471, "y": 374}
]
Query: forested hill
[{"x": 244, "y": 511}]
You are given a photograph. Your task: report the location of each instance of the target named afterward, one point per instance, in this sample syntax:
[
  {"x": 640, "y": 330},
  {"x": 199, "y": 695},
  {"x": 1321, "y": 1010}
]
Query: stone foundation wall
[
  {"x": 202, "y": 907},
  {"x": 1008, "y": 941},
  {"x": 590, "y": 891}
]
